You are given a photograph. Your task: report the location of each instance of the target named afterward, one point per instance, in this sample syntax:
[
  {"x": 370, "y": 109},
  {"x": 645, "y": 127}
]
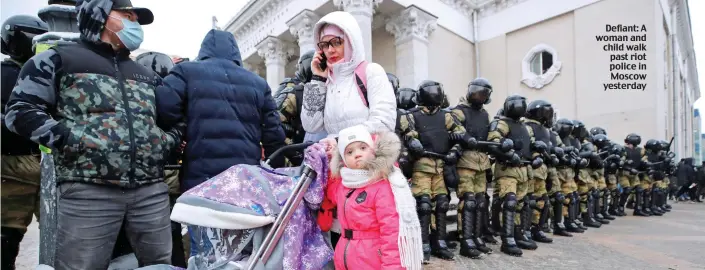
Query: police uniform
[
  {"x": 634, "y": 156},
  {"x": 569, "y": 185},
  {"x": 20, "y": 156},
  {"x": 427, "y": 135},
  {"x": 472, "y": 172},
  {"x": 653, "y": 164},
  {"x": 539, "y": 198},
  {"x": 563, "y": 184},
  {"x": 405, "y": 106}
]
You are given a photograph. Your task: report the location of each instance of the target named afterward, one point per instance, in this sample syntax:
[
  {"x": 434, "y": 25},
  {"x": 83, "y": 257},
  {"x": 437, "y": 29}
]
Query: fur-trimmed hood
[{"x": 387, "y": 149}]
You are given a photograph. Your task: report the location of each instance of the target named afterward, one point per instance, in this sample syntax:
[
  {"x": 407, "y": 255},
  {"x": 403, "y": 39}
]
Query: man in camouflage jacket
[{"x": 95, "y": 108}]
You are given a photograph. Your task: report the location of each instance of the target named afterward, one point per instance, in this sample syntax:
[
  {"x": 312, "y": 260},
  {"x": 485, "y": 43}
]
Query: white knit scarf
[{"x": 409, "y": 240}]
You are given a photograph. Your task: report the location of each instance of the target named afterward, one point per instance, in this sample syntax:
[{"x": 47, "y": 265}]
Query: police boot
[
  {"x": 575, "y": 203},
  {"x": 483, "y": 215},
  {"x": 596, "y": 214},
  {"x": 662, "y": 201},
  {"x": 557, "y": 220},
  {"x": 665, "y": 200},
  {"x": 536, "y": 233},
  {"x": 424, "y": 210},
  {"x": 623, "y": 199},
  {"x": 630, "y": 201},
  {"x": 587, "y": 216},
  {"x": 509, "y": 245},
  {"x": 639, "y": 196},
  {"x": 570, "y": 223},
  {"x": 614, "y": 203},
  {"x": 468, "y": 222},
  {"x": 651, "y": 205},
  {"x": 521, "y": 234},
  {"x": 478, "y": 235},
  {"x": 605, "y": 205},
  {"x": 646, "y": 203},
  {"x": 496, "y": 225},
  {"x": 439, "y": 247},
  {"x": 11, "y": 238}
]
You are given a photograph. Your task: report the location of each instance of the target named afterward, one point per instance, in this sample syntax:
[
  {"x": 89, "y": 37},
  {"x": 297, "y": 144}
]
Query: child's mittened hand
[{"x": 331, "y": 145}]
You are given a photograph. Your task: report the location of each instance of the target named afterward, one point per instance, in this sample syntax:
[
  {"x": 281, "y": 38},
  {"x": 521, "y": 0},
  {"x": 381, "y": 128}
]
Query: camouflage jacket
[
  {"x": 408, "y": 129},
  {"x": 96, "y": 108},
  {"x": 289, "y": 113}
]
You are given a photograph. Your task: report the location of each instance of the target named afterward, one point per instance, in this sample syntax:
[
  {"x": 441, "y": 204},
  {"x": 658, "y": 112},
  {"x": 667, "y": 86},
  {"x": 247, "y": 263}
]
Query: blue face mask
[{"x": 131, "y": 34}]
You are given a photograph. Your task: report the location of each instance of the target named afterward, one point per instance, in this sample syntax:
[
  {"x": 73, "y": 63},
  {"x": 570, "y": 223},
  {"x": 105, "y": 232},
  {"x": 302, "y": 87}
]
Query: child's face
[{"x": 357, "y": 154}]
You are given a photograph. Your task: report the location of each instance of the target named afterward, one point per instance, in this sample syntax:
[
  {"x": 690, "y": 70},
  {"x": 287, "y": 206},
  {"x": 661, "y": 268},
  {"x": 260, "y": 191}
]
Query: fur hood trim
[{"x": 387, "y": 149}]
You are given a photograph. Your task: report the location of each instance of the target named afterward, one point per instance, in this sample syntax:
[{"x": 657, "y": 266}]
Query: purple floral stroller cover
[{"x": 239, "y": 205}]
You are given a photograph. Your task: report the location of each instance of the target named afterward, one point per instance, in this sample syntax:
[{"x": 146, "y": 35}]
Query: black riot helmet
[
  {"x": 406, "y": 98},
  {"x": 633, "y": 139},
  {"x": 158, "y": 62},
  {"x": 303, "y": 71},
  {"x": 598, "y": 130},
  {"x": 541, "y": 111},
  {"x": 515, "y": 107},
  {"x": 446, "y": 103},
  {"x": 430, "y": 94},
  {"x": 664, "y": 145},
  {"x": 579, "y": 130},
  {"x": 394, "y": 81},
  {"x": 17, "y": 34},
  {"x": 499, "y": 114},
  {"x": 564, "y": 127},
  {"x": 652, "y": 145},
  {"x": 479, "y": 92},
  {"x": 601, "y": 141}
]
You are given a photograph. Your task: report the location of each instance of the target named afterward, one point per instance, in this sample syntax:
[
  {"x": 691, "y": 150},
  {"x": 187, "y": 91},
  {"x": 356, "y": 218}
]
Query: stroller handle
[{"x": 288, "y": 148}]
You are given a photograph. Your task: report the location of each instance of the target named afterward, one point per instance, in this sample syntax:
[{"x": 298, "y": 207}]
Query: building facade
[{"x": 541, "y": 49}]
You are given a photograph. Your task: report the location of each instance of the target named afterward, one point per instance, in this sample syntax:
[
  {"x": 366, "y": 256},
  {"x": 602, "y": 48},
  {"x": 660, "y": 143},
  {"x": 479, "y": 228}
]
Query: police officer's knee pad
[
  {"x": 545, "y": 198},
  {"x": 627, "y": 190},
  {"x": 442, "y": 203},
  {"x": 559, "y": 196},
  {"x": 424, "y": 205},
  {"x": 530, "y": 201},
  {"x": 469, "y": 201},
  {"x": 481, "y": 200},
  {"x": 510, "y": 202}
]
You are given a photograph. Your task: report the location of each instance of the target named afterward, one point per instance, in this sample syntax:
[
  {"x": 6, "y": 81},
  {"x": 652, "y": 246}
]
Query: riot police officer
[
  {"x": 634, "y": 157},
  {"x": 289, "y": 101},
  {"x": 560, "y": 176},
  {"x": 539, "y": 113},
  {"x": 473, "y": 214},
  {"x": 394, "y": 81},
  {"x": 587, "y": 177},
  {"x": 611, "y": 158},
  {"x": 20, "y": 156},
  {"x": 158, "y": 62},
  {"x": 426, "y": 135},
  {"x": 406, "y": 104},
  {"x": 564, "y": 128},
  {"x": 511, "y": 172},
  {"x": 654, "y": 176}
]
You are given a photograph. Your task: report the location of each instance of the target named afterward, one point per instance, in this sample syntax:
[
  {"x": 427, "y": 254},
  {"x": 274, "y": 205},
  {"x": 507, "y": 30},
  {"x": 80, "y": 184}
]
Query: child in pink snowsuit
[{"x": 376, "y": 210}]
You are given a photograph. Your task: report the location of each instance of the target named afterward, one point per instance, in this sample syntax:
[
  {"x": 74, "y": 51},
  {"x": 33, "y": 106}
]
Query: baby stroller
[{"x": 255, "y": 217}]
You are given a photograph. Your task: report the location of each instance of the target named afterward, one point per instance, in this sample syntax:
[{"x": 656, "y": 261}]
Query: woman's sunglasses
[{"x": 335, "y": 42}]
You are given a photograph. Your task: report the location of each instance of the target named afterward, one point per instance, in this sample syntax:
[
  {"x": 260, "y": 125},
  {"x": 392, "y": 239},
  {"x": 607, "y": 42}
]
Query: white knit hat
[{"x": 353, "y": 134}]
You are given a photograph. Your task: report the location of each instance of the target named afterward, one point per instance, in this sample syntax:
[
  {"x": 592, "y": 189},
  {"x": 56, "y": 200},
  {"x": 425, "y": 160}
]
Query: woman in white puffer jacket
[{"x": 331, "y": 101}]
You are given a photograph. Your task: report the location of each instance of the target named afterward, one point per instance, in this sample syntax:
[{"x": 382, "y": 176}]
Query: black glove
[
  {"x": 539, "y": 146},
  {"x": 554, "y": 160},
  {"x": 536, "y": 163},
  {"x": 583, "y": 163},
  {"x": 451, "y": 158},
  {"x": 514, "y": 160},
  {"x": 415, "y": 146},
  {"x": 469, "y": 142},
  {"x": 488, "y": 175}
]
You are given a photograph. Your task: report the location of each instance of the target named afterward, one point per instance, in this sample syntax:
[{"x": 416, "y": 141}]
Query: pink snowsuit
[{"x": 368, "y": 218}]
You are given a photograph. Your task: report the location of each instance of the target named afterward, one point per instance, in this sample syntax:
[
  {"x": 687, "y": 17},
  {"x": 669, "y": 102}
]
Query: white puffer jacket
[{"x": 336, "y": 104}]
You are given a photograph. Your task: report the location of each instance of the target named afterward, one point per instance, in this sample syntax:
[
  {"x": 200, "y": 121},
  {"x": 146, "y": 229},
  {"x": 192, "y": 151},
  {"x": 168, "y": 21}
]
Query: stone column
[
  {"x": 301, "y": 27},
  {"x": 275, "y": 54},
  {"x": 411, "y": 29},
  {"x": 362, "y": 10}
]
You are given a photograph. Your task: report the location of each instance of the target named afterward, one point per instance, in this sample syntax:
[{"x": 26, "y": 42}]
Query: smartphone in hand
[{"x": 324, "y": 62}]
